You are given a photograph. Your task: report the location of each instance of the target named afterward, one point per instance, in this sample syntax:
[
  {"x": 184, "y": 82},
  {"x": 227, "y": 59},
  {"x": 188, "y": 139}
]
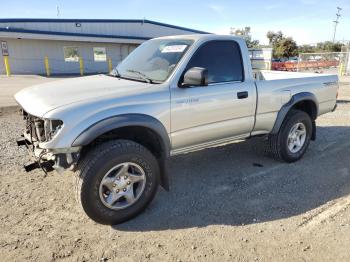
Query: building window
[
  {"x": 100, "y": 54},
  {"x": 71, "y": 54}
]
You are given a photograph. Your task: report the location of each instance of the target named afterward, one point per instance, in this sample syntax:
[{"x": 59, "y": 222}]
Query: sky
[{"x": 307, "y": 21}]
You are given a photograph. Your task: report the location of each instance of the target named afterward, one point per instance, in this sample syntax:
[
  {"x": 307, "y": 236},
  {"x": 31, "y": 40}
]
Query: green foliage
[
  {"x": 246, "y": 35},
  {"x": 287, "y": 47},
  {"x": 329, "y": 46},
  {"x": 306, "y": 49},
  {"x": 273, "y": 37},
  {"x": 326, "y": 46},
  {"x": 283, "y": 47}
]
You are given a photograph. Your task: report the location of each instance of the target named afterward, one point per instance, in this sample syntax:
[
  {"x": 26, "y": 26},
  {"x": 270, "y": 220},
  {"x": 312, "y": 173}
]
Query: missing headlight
[{"x": 51, "y": 128}]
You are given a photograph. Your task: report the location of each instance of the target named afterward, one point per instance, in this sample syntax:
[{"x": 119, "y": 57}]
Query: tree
[
  {"x": 287, "y": 47},
  {"x": 283, "y": 47},
  {"x": 246, "y": 35},
  {"x": 273, "y": 37},
  {"x": 329, "y": 46},
  {"x": 321, "y": 47},
  {"x": 306, "y": 49}
]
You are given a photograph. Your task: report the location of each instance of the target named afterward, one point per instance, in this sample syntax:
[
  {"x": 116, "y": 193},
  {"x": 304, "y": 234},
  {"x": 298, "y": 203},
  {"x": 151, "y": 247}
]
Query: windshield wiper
[
  {"x": 115, "y": 72},
  {"x": 142, "y": 75}
]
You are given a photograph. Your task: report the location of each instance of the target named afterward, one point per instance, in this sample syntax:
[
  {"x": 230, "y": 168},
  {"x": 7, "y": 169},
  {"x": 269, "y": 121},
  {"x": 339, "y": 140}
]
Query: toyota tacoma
[{"x": 170, "y": 96}]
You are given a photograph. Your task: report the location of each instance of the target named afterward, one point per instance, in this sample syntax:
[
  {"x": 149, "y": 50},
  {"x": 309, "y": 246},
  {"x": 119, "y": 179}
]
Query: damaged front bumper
[
  {"x": 38, "y": 132},
  {"x": 47, "y": 165},
  {"x": 48, "y": 159}
]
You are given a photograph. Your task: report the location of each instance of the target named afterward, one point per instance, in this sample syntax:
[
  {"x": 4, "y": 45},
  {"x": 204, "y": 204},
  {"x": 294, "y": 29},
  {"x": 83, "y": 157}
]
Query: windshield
[{"x": 154, "y": 60}]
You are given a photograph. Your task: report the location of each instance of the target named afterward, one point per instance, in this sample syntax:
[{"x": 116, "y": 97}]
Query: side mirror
[{"x": 195, "y": 76}]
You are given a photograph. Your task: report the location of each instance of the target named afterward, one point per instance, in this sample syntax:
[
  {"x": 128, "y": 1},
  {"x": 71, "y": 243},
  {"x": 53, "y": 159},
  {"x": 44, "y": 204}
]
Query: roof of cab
[{"x": 196, "y": 37}]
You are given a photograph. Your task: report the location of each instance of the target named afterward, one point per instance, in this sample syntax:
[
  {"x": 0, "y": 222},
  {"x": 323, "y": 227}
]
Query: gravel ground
[{"x": 232, "y": 203}]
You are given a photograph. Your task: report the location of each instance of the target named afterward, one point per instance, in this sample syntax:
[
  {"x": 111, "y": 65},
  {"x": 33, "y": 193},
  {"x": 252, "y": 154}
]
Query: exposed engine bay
[{"x": 37, "y": 131}]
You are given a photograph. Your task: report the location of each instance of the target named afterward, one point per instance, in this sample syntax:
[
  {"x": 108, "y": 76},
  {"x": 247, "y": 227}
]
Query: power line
[{"x": 336, "y": 22}]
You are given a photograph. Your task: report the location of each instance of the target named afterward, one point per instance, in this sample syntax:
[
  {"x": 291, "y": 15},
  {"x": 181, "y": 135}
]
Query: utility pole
[
  {"x": 58, "y": 13},
  {"x": 336, "y": 22}
]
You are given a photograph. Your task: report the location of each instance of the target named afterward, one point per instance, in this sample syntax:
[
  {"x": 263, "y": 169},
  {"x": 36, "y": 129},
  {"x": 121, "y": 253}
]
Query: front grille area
[
  {"x": 35, "y": 128},
  {"x": 40, "y": 130}
]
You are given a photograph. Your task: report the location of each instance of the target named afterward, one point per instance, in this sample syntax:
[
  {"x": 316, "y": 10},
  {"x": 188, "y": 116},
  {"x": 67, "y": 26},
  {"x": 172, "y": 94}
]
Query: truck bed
[
  {"x": 275, "y": 88},
  {"x": 276, "y": 75}
]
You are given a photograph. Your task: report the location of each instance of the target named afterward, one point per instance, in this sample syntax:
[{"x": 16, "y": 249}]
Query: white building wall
[
  {"x": 30, "y": 40},
  {"x": 27, "y": 56}
]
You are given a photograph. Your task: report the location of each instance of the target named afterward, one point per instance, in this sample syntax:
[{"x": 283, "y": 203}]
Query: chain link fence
[
  {"x": 323, "y": 63},
  {"x": 327, "y": 63}
]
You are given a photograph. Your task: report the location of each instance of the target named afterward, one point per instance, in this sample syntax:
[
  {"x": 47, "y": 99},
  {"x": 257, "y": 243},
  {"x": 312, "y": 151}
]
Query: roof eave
[
  {"x": 56, "y": 20},
  {"x": 49, "y": 35}
]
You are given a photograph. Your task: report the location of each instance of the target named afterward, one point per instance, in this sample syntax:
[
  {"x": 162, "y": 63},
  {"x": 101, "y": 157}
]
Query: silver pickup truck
[{"x": 172, "y": 95}]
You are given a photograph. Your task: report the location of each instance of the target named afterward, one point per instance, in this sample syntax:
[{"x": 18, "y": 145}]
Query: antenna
[{"x": 336, "y": 22}]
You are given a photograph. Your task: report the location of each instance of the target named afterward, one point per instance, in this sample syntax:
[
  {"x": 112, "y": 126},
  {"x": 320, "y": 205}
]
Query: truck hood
[{"x": 40, "y": 99}]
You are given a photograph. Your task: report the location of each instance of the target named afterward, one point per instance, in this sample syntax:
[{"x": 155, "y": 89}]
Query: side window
[{"x": 221, "y": 58}]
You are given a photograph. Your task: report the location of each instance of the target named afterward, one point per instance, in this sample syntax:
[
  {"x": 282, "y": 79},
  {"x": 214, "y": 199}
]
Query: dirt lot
[{"x": 226, "y": 204}]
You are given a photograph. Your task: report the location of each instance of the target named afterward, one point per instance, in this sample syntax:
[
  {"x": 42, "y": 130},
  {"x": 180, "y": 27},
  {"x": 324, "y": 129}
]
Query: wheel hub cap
[
  {"x": 296, "y": 137},
  {"x": 122, "y": 185}
]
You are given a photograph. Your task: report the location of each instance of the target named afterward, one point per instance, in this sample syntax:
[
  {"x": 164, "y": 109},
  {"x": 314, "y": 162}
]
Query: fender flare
[
  {"x": 115, "y": 122},
  {"x": 108, "y": 124},
  {"x": 303, "y": 96}
]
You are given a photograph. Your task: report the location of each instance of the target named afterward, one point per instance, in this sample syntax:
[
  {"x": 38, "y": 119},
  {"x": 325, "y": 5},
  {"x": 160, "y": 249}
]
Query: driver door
[{"x": 219, "y": 112}]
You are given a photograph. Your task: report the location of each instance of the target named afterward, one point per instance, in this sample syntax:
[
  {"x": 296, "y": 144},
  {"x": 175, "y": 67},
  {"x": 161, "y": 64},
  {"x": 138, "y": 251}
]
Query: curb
[{"x": 9, "y": 109}]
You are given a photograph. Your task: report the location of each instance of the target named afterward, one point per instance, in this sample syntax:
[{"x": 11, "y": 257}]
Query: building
[
  {"x": 261, "y": 58},
  {"x": 345, "y": 70},
  {"x": 73, "y": 46}
]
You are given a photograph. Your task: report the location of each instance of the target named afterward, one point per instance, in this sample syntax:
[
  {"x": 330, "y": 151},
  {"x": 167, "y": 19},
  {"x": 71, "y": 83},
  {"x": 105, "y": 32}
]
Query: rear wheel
[
  {"x": 293, "y": 138},
  {"x": 116, "y": 181}
]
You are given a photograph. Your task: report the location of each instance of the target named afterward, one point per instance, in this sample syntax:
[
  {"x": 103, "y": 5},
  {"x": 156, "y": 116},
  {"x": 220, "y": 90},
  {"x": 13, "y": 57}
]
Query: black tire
[
  {"x": 94, "y": 166},
  {"x": 278, "y": 143}
]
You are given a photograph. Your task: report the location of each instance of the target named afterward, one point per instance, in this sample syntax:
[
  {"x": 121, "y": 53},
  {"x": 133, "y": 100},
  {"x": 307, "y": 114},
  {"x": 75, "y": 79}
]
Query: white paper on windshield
[{"x": 174, "y": 49}]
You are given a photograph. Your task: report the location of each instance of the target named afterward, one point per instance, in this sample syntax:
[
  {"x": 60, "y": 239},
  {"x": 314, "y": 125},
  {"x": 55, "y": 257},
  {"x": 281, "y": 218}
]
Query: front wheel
[
  {"x": 116, "y": 181},
  {"x": 293, "y": 138}
]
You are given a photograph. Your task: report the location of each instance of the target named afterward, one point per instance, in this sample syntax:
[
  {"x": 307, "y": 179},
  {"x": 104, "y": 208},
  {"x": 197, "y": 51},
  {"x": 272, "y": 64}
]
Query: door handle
[{"x": 242, "y": 95}]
